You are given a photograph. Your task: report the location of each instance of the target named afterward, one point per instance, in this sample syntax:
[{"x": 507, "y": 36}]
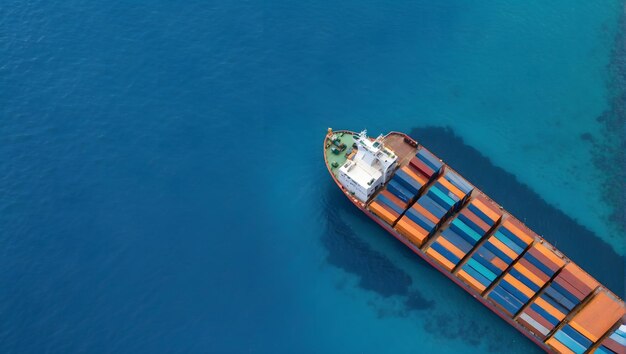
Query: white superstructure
[{"x": 370, "y": 168}]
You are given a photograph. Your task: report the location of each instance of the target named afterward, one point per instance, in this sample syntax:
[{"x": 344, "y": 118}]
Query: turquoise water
[{"x": 163, "y": 181}]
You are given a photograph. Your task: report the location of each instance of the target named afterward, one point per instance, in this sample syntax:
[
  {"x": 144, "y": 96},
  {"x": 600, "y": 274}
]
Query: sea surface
[{"x": 162, "y": 186}]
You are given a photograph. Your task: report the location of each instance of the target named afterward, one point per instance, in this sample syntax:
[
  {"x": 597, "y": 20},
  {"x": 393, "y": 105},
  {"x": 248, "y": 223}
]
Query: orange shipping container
[
  {"x": 598, "y": 316},
  {"x": 471, "y": 281},
  {"x": 420, "y": 209},
  {"x": 560, "y": 348},
  {"x": 534, "y": 270},
  {"x": 502, "y": 247},
  {"x": 490, "y": 213},
  {"x": 411, "y": 231},
  {"x": 550, "y": 254},
  {"x": 439, "y": 258},
  {"x": 500, "y": 264},
  {"x": 393, "y": 199},
  {"x": 519, "y": 286},
  {"x": 578, "y": 278},
  {"x": 549, "y": 308},
  {"x": 528, "y": 274},
  {"x": 514, "y": 226},
  {"x": 382, "y": 213},
  {"x": 493, "y": 206},
  {"x": 452, "y": 188},
  {"x": 416, "y": 175},
  {"x": 450, "y": 247}
]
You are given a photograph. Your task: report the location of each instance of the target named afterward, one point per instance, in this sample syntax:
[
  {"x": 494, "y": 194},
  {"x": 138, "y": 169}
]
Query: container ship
[{"x": 471, "y": 239}]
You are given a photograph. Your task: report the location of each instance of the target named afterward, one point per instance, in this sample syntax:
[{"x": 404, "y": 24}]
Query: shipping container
[
  {"x": 381, "y": 198},
  {"x": 432, "y": 161},
  {"x": 420, "y": 166},
  {"x": 598, "y": 315},
  {"x": 527, "y": 276},
  {"x": 420, "y": 219},
  {"x": 412, "y": 231},
  {"x": 459, "y": 237},
  {"x": 458, "y": 181},
  {"x": 382, "y": 213},
  {"x": 407, "y": 182},
  {"x": 419, "y": 177},
  {"x": 393, "y": 199},
  {"x": 615, "y": 342},
  {"x": 397, "y": 189},
  {"x": 493, "y": 256},
  {"x": 588, "y": 325},
  {"x": 431, "y": 206}
]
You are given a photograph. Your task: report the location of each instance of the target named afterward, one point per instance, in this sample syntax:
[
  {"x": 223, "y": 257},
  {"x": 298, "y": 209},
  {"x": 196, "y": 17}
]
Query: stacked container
[
  {"x": 388, "y": 206},
  {"x": 426, "y": 213},
  {"x": 426, "y": 165},
  {"x": 469, "y": 226},
  {"x": 588, "y": 325},
  {"x": 559, "y": 298},
  {"x": 496, "y": 254},
  {"x": 443, "y": 196},
  {"x": 425, "y": 162},
  {"x": 391, "y": 202},
  {"x": 615, "y": 342},
  {"x": 526, "y": 278}
]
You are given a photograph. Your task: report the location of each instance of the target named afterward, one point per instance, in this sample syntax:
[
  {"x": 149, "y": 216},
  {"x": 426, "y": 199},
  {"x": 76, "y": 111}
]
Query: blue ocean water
[{"x": 163, "y": 187}]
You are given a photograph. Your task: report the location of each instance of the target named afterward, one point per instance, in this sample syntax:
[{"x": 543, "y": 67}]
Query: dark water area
[
  {"x": 577, "y": 242},
  {"x": 612, "y": 157},
  {"x": 352, "y": 253}
]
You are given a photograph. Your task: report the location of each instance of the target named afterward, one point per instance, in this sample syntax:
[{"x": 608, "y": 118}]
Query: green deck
[{"x": 340, "y": 158}]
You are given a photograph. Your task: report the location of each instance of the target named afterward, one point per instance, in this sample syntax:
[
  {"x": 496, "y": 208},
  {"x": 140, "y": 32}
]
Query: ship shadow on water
[
  {"x": 576, "y": 241},
  {"x": 349, "y": 251}
]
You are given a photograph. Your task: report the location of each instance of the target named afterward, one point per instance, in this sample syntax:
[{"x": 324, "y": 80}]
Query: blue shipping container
[
  {"x": 485, "y": 254},
  {"x": 440, "y": 198},
  {"x": 513, "y": 237},
  {"x": 504, "y": 299},
  {"x": 482, "y": 216},
  {"x": 565, "y": 293},
  {"x": 485, "y": 263},
  {"x": 421, "y": 220},
  {"x": 498, "y": 252},
  {"x": 537, "y": 263},
  {"x": 569, "y": 342},
  {"x": 458, "y": 181},
  {"x": 399, "y": 191},
  {"x": 444, "y": 252},
  {"x": 462, "y": 234},
  {"x": 456, "y": 240},
  {"x": 575, "y": 335},
  {"x": 543, "y": 313},
  {"x": 510, "y": 244},
  {"x": 429, "y": 159},
  {"x": 437, "y": 210},
  {"x": 476, "y": 275},
  {"x": 481, "y": 269},
  {"x": 471, "y": 224},
  {"x": 522, "y": 278},
  {"x": 468, "y": 230},
  {"x": 407, "y": 181}
]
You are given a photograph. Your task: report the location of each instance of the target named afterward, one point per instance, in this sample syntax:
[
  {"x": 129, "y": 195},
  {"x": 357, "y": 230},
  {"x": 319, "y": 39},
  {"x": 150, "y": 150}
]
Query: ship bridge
[{"x": 369, "y": 169}]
